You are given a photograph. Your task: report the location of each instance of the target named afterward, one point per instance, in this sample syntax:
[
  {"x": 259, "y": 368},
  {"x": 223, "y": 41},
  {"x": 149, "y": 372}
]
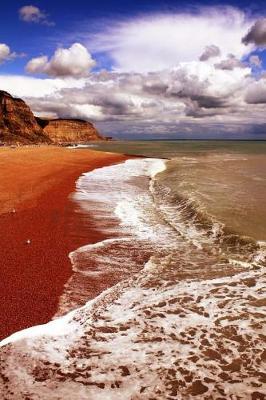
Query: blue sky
[
  {"x": 139, "y": 68},
  {"x": 35, "y": 39}
]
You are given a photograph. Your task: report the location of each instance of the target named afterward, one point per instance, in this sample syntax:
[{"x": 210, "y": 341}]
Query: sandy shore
[{"x": 36, "y": 182}]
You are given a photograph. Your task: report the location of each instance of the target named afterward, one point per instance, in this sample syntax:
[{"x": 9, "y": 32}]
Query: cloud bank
[
  {"x": 194, "y": 95},
  {"x": 157, "y": 42}
]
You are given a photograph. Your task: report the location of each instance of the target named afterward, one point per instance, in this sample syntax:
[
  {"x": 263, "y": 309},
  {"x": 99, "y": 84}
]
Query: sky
[{"x": 142, "y": 69}]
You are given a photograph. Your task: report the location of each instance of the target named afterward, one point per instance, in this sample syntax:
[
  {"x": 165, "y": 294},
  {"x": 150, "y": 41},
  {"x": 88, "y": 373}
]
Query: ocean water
[
  {"x": 185, "y": 320},
  {"x": 225, "y": 178}
]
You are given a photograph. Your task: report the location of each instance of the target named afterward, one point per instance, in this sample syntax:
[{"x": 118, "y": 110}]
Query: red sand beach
[{"x": 37, "y": 182}]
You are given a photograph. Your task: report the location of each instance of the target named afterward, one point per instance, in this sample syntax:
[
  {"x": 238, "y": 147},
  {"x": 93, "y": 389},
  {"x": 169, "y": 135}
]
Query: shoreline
[{"x": 35, "y": 205}]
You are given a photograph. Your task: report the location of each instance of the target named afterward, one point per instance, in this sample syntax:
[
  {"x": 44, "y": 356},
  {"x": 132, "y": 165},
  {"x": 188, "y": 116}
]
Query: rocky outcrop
[
  {"x": 69, "y": 130},
  {"x": 17, "y": 122},
  {"x": 19, "y": 126}
]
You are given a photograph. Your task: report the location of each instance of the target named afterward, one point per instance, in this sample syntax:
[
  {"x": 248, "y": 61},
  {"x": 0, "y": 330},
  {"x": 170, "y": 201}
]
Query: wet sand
[{"x": 37, "y": 182}]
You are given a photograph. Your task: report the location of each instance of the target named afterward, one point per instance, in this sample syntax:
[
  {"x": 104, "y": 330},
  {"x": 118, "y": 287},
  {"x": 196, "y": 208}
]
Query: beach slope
[{"x": 39, "y": 228}]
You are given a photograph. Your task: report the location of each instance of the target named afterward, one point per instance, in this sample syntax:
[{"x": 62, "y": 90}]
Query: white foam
[
  {"x": 81, "y": 146},
  {"x": 114, "y": 192},
  {"x": 61, "y": 326},
  {"x": 148, "y": 330}
]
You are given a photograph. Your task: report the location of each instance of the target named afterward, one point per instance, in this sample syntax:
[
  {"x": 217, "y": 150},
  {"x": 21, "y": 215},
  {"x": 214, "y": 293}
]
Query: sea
[{"x": 185, "y": 223}]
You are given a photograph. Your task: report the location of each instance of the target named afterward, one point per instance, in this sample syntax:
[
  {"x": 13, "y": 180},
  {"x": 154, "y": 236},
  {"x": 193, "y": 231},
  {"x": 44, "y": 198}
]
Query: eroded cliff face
[
  {"x": 17, "y": 122},
  {"x": 69, "y": 130},
  {"x": 19, "y": 126}
]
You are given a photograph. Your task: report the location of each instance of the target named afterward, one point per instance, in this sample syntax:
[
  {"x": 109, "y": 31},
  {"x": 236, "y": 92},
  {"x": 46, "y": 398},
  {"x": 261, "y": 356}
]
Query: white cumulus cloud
[
  {"x": 33, "y": 14},
  {"x": 230, "y": 63},
  {"x": 256, "y": 92},
  {"x": 255, "y": 61},
  {"x": 75, "y": 61},
  {"x": 210, "y": 52},
  {"x": 6, "y": 54}
]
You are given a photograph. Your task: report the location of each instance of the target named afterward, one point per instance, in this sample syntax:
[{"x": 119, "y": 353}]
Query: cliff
[
  {"x": 19, "y": 126},
  {"x": 69, "y": 130},
  {"x": 17, "y": 122}
]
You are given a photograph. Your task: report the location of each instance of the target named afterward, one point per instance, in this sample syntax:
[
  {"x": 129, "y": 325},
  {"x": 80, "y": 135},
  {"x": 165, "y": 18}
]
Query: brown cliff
[
  {"x": 19, "y": 126},
  {"x": 69, "y": 130},
  {"x": 17, "y": 122}
]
